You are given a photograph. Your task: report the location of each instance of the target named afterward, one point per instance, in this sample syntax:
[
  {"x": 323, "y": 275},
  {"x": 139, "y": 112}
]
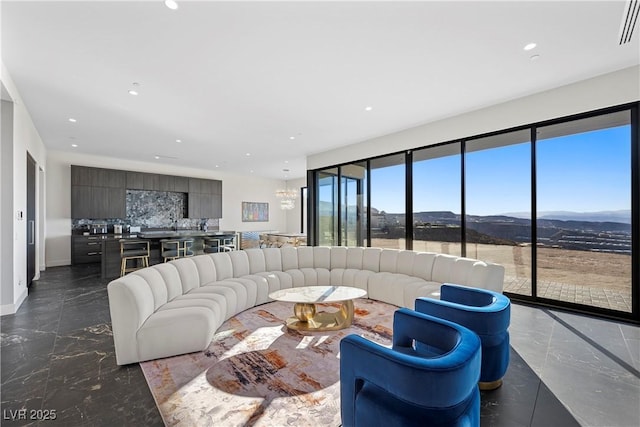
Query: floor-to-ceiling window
[
  {"x": 583, "y": 223},
  {"x": 556, "y": 203},
  {"x": 388, "y": 218},
  {"x": 327, "y": 207},
  {"x": 498, "y": 205},
  {"x": 353, "y": 185},
  {"x": 436, "y": 199}
]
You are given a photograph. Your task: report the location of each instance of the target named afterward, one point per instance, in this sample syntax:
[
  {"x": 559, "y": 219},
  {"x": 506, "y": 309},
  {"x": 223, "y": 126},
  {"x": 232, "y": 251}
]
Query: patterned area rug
[{"x": 257, "y": 372}]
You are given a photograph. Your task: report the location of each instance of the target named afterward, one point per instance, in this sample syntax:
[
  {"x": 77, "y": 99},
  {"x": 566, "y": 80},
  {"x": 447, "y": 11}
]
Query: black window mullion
[
  {"x": 534, "y": 216},
  {"x": 408, "y": 204},
  {"x": 463, "y": 197},
  {"x": 635, "y": 212}
]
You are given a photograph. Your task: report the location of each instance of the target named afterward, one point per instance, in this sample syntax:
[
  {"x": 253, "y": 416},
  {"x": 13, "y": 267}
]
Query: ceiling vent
[{"x": 629, "y": 21}]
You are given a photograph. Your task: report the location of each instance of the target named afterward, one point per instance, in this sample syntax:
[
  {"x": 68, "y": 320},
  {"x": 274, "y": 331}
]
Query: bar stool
[
  {"x": 212, "y": 245},
  {"x": 171, "y": 249},
  {"x": 133, "y": 250},
  {"x": 229, "y": 243}
]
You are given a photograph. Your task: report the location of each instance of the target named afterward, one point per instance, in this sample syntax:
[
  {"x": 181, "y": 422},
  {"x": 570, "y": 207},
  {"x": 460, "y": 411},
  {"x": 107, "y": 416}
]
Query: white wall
[
  {"x": 293, "y": 216},
  {"x": 235, "y": 190},
  {"x": 599, "y": 92},
  {"x": 25, "y": 139}
]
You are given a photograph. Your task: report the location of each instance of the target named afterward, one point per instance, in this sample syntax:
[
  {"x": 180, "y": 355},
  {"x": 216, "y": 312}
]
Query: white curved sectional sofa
[{"x": 175, "y": 308}]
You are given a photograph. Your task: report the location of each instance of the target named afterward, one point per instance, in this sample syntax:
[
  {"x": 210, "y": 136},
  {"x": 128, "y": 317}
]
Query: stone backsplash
[{"x": 154, "y": 209}]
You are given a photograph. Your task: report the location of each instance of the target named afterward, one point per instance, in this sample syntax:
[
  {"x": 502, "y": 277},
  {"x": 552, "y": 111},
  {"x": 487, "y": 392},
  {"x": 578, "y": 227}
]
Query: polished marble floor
[{"x": 57, "y": 360}]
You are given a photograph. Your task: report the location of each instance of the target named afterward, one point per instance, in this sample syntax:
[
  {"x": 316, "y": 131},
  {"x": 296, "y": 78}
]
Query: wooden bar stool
[
  {"x": 135, "y": 250},
  {"x": 171, "y": 249}
]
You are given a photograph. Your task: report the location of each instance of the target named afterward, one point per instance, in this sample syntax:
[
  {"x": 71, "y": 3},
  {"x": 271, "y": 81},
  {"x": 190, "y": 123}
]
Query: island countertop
[{"x": 165, "y": 234}]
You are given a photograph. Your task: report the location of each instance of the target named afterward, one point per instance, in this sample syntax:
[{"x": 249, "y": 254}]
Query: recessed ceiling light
[
  {"x": 171, "y": 4},
  {"x": 292, "y": 138},
  {"x": 72, "y": 120},
  {"x": 530, "y": 46},
  {"x": 178, "y": 141},
  {"x": 534, "y": 57},
  {"x": 368, "y": 108},
  {"x": 248, "y": 154},
  {"x": 156, "y": 157},
  {"x": 286, "y": 161},
  {"x": 251, "y": 171},
  {"x": 74, "y": 145},
  {"x": 217, "y": 166},
  {"x": 133, "y": 92}
]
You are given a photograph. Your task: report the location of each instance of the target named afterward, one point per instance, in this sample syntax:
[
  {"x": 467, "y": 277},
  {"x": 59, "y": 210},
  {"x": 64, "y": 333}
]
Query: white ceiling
[{"x": 230, "y": 78}]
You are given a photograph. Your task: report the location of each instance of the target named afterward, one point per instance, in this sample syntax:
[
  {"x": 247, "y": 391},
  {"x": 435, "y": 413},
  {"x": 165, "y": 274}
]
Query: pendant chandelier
[{"x": 287, "y": 198}]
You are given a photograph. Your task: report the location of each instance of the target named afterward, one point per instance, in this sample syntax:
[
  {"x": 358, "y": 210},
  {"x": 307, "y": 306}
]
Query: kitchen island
[{"x": 111, "y": 245}]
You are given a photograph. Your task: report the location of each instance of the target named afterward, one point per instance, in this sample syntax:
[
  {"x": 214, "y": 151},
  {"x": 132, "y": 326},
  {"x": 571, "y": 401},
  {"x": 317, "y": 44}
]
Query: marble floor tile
[{"x": 57, "y": 354}]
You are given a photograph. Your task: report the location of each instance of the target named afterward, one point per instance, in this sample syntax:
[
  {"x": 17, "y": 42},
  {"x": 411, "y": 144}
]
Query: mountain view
[{"x": 593, "y": 231}]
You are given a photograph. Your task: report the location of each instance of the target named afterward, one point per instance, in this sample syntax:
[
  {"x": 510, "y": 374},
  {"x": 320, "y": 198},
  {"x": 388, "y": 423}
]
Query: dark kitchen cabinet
[
  {"x": 151, "y": 181},
  {"x": 166, "y": 183},
  {"x": 86, "y": 249},
  {"x": 181, "y": 184},
  {"x": 97, "y": 193},
  {"x": 205, "y": 198},
  {"x": 135, "y": 180}
]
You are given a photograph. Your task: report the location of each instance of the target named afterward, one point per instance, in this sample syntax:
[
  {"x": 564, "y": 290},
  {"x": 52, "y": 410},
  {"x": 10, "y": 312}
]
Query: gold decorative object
[{"x": 308, "y": 317}]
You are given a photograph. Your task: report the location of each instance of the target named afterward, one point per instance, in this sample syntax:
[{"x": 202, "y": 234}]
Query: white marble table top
[{"x": 311, "y": 294}]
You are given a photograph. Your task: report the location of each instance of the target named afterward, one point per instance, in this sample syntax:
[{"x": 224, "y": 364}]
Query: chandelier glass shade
[{"x": 287, "y": 198}]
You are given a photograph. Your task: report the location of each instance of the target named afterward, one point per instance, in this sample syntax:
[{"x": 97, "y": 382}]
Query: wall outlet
[{"x": 19, "y": 282}]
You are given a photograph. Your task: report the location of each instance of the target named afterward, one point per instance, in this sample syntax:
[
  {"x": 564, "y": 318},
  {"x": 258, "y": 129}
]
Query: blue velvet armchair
[
  {"x": 485, "y": 312},
  {"x": 428, "y": 378}
]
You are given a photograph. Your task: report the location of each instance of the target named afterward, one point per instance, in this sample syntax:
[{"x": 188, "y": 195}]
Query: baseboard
[
  {"x": 58, "y": 262},
  {"x": 6, "y": 309}
]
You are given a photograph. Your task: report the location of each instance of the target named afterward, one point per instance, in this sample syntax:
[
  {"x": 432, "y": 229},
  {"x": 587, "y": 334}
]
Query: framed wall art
[{"x": 255, "y": 212}]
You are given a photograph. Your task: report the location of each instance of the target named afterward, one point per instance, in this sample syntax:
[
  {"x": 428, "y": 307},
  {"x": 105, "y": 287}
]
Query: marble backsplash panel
[{"x": 155, "y": 209}]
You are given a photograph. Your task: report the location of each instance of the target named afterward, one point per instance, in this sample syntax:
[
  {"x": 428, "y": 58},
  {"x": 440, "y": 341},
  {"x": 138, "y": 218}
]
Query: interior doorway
[{"x": 31, "y": 219}]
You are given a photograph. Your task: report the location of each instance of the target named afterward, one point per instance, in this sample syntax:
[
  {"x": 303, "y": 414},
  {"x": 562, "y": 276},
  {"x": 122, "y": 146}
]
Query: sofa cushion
[
  {"x": 257, "y": 262},
  {"x": 177, "y": 331},
  {"x": 154, "y": 280},
  {"x": 371, "y": 259},
  {"x": 207, "y": 301},
  {"x": 169, "y": 278},
  {"x": 389, "y": 287},
  {"x": 228, "y": 293},
  {"x": 239, "y": 263},
  {"x": 289, "y": 258},
  {"x": 350, "y": 277}
]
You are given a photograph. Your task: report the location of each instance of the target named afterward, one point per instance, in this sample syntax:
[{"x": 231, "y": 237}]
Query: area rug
[{"x": 257, "y": 372}]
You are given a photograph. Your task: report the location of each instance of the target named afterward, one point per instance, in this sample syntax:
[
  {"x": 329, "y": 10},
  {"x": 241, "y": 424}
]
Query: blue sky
[{"x": 586, "y": 172}]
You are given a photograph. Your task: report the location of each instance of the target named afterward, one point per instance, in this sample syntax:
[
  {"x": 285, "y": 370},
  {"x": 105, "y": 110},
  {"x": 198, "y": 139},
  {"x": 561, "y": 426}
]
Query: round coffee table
[{"x": 307, "y": 318}]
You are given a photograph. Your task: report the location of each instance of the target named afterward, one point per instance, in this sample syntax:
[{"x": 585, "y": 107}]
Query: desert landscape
[{"x": 596, "y": 279}]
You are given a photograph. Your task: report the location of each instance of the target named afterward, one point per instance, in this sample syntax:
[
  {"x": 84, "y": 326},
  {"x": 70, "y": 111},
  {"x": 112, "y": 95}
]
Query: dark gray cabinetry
[
  {"x": 135, "y": 180},
  {"x": 156, "y": 182},
  {"x": 97, "y": 193},
  {"x": 86, "y": 249},
  {"x": 205, "y": 198}
]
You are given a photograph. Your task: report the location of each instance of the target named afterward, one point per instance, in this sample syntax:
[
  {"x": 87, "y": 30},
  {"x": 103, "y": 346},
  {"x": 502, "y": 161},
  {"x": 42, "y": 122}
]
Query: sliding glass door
[
  {"x": 556, "y": 203},
  {"x": 388, "y": 217},
  {"x": 437, "y": 199},
  {"x": 584, "y": 211},
  {"x": 327, "y": 207},
  {"x": 498, "y": 205}
]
